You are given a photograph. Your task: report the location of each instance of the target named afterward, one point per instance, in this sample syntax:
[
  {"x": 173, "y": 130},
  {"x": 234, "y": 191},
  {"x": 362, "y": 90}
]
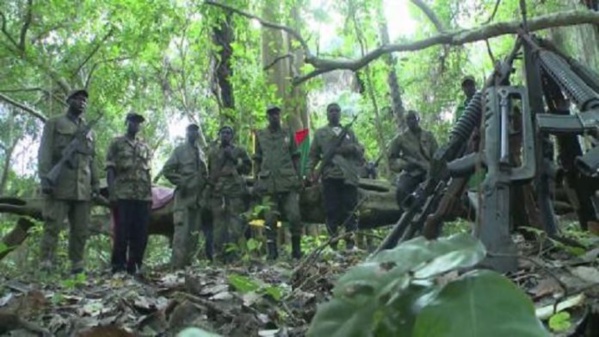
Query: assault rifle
[
  {"x": 68, "y": 154},
  {"x": 328, "y": 156}
]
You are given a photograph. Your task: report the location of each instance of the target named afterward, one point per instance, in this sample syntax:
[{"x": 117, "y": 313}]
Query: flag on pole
[{"x": 302, "y": 140}]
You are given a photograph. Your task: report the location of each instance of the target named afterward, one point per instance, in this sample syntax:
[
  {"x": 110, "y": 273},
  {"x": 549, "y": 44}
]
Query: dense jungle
[{"x": 226, "y": 63}]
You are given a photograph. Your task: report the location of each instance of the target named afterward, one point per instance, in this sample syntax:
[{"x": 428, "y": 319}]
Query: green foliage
[
  {"x": 245, "y": 285},
  {"x": 4, "y": 248},
  {"x": 395, "y": 294},
  {"x": 74, "y": 281},
  {"x": 560, "y": 321}
]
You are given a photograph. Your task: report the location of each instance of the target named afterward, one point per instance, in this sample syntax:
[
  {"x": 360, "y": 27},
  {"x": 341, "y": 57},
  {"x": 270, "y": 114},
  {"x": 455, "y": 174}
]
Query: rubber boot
[
  {"x": 273, "y": 253},
  {"x": 296, "y": 247}
]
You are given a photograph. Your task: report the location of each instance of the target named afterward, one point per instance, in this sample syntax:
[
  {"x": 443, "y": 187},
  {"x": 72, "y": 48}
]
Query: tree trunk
[
  {"x": 376, "y": 199},
  {"x": 223, "y": 36}
]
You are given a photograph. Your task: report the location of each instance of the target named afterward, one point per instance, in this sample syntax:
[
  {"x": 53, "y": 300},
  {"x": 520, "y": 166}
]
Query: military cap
[
  {"x": 78, "y": 92},
  {"x": 193, "y": 126},
  {"x": 468, "y": 78},
  {"x": 226, "y": 127},
  {"x": 133, "y": 116},
  {"x": 273, "y": 107}
]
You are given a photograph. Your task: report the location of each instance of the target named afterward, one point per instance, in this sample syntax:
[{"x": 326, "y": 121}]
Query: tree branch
[
  {"x": 23, "y": 107},
  {"x": 95, "y": 66},
  {"x": 25, "y": 90},
  {"x": 430, "y": 14},
  {"x": 5, "y": 30},
  {"x": 492, "y": 14},
  {"x": 94, "y": 50},
  {"x": 567, "y": 18},
  {"x": 265, "y": 23},
  {"x": 280, "y": 58},
  {"x": 26, "y": 24}
]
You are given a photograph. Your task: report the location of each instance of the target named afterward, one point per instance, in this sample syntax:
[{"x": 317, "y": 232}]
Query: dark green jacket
[
  {"x": 186, "y": 169},
  {"x": 342, "y": 166},
  {"x": 131, "y": 162},
  {"x": 412, "y": 152},
  {"x": 226, "y": 173},
  {"x": 275, "y": 152},
  {"x": 74, "y": 183}
]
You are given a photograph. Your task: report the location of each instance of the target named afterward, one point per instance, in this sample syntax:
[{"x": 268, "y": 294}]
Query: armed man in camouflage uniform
[
  {"x": 340, "y": 176},
  {"x": 409, "y": 155},
  {"x": 226, "y": 164},
  {"x": 186, "y": 169},
  {"x": 70, "y": 197},
  {"x": 130, "y": 190},
  {"x": 277, "y": 162}
]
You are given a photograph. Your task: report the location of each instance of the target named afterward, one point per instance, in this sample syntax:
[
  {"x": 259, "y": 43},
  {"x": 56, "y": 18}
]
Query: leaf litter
[{"x": 260, "y": 300}]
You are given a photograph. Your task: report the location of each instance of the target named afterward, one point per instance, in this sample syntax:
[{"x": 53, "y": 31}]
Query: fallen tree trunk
[
  {"x": 16, "y": 236},
  {"x": 376, "y": 197}
]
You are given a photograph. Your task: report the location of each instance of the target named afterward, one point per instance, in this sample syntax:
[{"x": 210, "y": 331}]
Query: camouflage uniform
[
  {"x": 278, "y": 182},
  {"x": 409, "y": 155},
  {"x": 72, "y": 194},
  {"x": 227, "y": 192},
  {"x": 186, "y": 169},
  {"x": 340, "y": 178},
  {"x": 132, "y": 193}
]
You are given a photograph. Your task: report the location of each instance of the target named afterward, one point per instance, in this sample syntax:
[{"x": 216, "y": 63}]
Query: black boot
[
  {"x": 273, "y": 253},
  {"x": 296, "y": 247}
]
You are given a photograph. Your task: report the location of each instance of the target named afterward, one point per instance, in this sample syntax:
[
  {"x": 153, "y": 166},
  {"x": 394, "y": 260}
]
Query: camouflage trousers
[
  {"x": 188, "y": 226},
  {"x": 286, "y": 203},
  {"x": 228, "y": 225},
  {"x": 55, "y": 212}
]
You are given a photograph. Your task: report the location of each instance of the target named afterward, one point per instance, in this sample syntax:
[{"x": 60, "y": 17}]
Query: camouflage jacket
[
  {"x": 412, "y": 152},
  {"x": 341, "y": 166},
  {"x": 131, "y": 162},
  {"x": 226, "y": 173},
  {"x": 275, "y": 152},
  {"x": 76, "y": 181},
  {"x": 186, "y": 169}
]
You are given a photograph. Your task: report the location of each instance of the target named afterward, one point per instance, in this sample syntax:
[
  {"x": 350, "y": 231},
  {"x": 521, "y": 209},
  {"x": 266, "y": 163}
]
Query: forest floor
[{"x": 252, "y": 299}]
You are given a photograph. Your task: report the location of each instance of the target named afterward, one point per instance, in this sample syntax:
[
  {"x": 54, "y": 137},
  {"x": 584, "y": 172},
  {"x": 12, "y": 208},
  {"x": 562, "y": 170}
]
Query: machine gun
[
  {"x": 547, "y": 73},
  {"x": 68, "y": 154},
  {"x": 427, "y": 196}
]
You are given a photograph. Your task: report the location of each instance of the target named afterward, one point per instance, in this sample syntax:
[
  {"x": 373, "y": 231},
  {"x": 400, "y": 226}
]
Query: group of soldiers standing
[{"x": 214, "y": 182}]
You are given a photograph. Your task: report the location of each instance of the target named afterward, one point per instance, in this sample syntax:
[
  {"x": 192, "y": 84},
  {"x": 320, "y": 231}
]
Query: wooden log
[
  {"x": 16, "y": 236},
  {"x": 377, "y": 208}
]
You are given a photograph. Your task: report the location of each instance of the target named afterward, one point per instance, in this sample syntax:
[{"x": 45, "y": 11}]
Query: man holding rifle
[
  {"x": 339, "y": 151},
  {"x": 69, "y": 176},
  {"x": 409, "y": 155}
]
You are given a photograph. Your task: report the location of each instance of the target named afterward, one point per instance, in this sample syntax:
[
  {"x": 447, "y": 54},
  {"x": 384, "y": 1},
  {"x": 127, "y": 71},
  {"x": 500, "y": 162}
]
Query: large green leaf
[
  {"x": 344, "y": 317},
  {"x": 401, "y": 312},
  {"x": 429, "y": 258},
  {"x": 481, "y": 303}
]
